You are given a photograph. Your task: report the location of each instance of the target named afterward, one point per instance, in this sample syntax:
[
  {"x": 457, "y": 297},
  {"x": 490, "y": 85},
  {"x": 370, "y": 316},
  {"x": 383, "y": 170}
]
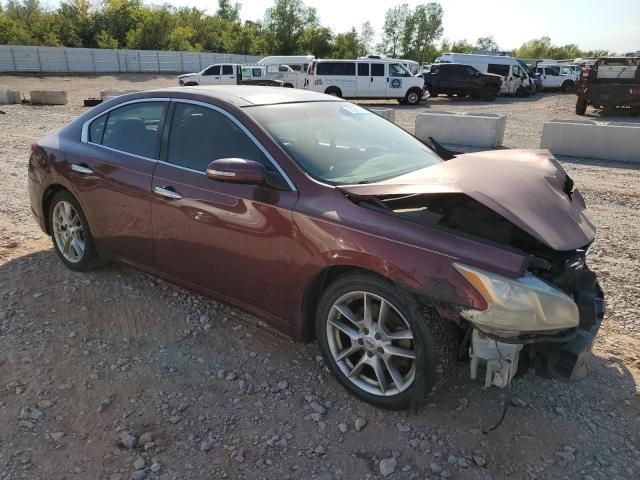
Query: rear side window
[
  {"x": 256, "y": 72},
  {"x": 377, "y": 69},
  {"x": 134, "y": 128},
  {"x": 502, "y": 70},
  {"x": 336, "y": 68},
  {"x": 553, "y": 71},
  {"x": 200, "y": 135},
  {"x": 96, "y": 129},
  {"x": 363, "y": 69},
  {"x": 227, "y": 70}
]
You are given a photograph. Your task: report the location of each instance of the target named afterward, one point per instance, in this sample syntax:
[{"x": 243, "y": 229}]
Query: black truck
[
  {"x": 461, "y": 80},
  {"x": 611, "y": 82}
]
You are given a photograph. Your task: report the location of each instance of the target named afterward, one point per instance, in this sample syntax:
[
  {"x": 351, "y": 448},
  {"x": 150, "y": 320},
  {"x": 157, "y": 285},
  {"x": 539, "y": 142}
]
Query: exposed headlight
[{"x": 515, "y": 306}]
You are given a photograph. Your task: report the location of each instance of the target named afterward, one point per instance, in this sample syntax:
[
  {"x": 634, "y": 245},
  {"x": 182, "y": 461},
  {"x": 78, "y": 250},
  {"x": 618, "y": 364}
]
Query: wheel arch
[
  {"x": 314, "y": 289},
  {"x": 48, "y": 195}
]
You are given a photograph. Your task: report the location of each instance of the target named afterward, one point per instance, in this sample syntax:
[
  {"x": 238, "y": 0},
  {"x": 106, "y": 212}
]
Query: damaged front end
[{"x": 547, "y": 317}]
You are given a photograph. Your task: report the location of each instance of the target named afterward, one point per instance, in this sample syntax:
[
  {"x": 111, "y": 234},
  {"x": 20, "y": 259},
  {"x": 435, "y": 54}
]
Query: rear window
[
  {"x": 227, "y": 70},
  {"x": 363, "y": 69},
  {"x": 377, "y": 69},
  {"x": 336, "y": 68}
]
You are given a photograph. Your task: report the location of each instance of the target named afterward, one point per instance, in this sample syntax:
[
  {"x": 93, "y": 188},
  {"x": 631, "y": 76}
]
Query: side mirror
[{"x": 237, "y": 170}]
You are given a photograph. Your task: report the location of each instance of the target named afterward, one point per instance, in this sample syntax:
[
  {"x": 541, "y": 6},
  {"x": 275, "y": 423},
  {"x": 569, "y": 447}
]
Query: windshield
[{"x": 341, "y": 143}]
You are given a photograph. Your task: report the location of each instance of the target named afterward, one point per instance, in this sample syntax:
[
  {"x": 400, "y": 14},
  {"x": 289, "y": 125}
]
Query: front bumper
[{"x": 566, "y": 360}]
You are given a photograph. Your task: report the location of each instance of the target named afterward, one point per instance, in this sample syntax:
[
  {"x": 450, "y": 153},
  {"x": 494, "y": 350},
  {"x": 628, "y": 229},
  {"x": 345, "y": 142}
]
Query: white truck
[
  {"x": 290, "y": 69},
  {"x": 230, "y": 74},
  {"x": 558, "y": 76}
]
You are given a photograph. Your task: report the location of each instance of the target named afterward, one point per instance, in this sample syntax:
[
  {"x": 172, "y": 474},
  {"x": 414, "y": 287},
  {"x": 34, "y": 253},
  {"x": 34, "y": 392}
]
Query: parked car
[
  {"x": 368, "y": 78},
  {"x": 514, "y": 72},
  {"x": 332, "y": 224},
  {"x": 461, "y": 80},
  {"x": 230, "y": 74},
  {"x": 556, "y": 76},
  {"x": 611, "y": 82},
  {"x": 290, "y": 69}
]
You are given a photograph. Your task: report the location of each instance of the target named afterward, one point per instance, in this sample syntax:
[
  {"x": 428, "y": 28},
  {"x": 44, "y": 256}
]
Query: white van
[
  {"x": 412, "y": 66},
  {"x": 366, "y": 78},
  {"x": 514, "y": 72}
]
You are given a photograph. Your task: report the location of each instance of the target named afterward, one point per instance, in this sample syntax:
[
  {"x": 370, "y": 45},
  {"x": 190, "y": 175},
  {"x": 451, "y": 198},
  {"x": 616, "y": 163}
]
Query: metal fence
[{"x": 97, "y": 60}]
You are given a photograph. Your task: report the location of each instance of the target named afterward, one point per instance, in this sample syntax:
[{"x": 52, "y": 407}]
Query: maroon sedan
[{"x": 334, "y": 225}]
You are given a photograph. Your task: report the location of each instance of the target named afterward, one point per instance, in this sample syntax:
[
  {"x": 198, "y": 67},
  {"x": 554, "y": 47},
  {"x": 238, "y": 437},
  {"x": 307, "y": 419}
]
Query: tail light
[
  {"x": 634, "y": 91},
  {"x": 34, "y": 148},
  {"x": 585, "y": 73},
  {"x": 312, "y": 68}
]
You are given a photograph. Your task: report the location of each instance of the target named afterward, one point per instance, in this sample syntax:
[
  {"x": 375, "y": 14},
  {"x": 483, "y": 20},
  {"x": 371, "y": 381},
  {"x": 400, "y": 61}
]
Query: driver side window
[
  {"x": 214, "y": 70},
  {"x": 397, "y": 70}
]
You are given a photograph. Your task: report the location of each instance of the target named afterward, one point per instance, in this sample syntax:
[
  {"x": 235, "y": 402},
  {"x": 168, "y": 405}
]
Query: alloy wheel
[
  {"x": 68, "y": 232},
  {"x": 372, "y": 344}
]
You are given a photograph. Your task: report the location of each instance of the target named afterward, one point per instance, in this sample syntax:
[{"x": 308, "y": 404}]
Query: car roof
[{"x": 249, "y": 95}]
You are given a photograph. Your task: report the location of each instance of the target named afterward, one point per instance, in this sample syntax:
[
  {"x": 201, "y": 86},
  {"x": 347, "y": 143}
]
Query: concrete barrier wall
[
  {"x": 102, "y": 60},
  {"x": 471, "y": 129},
  {"x": 48, "y": 97},
  {"x": 8, "y": 97},
  {"x": 583, "y": 138},
  {"x": 388, "y": 113}
]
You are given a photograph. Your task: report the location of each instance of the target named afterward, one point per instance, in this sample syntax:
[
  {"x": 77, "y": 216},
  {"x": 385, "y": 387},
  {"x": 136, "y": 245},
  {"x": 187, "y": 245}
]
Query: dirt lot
[{"x": 89, "y": 363}]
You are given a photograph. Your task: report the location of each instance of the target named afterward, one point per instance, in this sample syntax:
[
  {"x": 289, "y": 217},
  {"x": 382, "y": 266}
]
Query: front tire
[
  {"x": 568, "y": 86},
  {"x": 380, "y": 343},
  {"x": 334, "y": 91},
  {"x": 70, "y": 233},
  {"x": 413, "y": 96},
  {"x": 489, "y": 93},
  {"x": 581, "y": 106}
]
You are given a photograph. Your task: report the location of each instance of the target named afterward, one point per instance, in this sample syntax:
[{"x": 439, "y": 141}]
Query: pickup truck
[
  {"x": 461, "y": 80},
  {"x": 557, "y": 76},
  {"x": 611, "y": 82},
  {"x": 230, "y": 74}
]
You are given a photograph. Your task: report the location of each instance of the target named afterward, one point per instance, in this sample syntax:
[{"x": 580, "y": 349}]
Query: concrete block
[
  {"x": 471, "y": 129},
  {"x": 48, "y": 97},
  {"x": 8, "y": 97},
  {"x": 388, "y": 113},
  {"x": 109, "y": 94},
  {"x": 603, "y": 140}
]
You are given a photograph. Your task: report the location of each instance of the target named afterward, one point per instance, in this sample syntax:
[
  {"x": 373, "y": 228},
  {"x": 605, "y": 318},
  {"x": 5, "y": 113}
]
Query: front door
[
  {"x": 232, "y": 239},
  {"x": 112, "y": 168},
  {"x": 211, "y": 76},
  {"x": 378, "y": 84}
]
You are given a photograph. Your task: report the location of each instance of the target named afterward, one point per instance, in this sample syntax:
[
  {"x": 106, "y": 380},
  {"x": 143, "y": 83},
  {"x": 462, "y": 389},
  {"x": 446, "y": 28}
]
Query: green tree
[
  {"x": 422, "y": 28},
  {"x": 487, "y": 43},
  {"x": 317, "y": 40},
  {"x": 395, "y": 20},
  {"x": 536, "y": 48},
  {"x": 229, "y": 11},
  {"x": 347, "y": 45},
  {"x": 104, "y": 40},
  {"x": 285, "y": 24},
  {"x": 367, "y": 36}
]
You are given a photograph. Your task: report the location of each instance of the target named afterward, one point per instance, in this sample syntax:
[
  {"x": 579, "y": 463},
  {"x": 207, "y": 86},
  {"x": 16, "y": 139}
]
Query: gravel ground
[{"x": 117, "y": 375}]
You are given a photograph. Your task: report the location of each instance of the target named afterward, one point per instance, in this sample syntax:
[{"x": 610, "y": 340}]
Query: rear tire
[
  {"x": 70, "y": 233},
  {"x": 522, "y": 92},
  {"x": 489, "y": 93},
  {"x": 568, "y": 86},
  {"x": 335, "y": 91},
  {"x": 581, "y": 106},
  {"x": 288, "y": 85},
  {"x": 191, "y": 84},
  {"x": 420, "y": 355}
]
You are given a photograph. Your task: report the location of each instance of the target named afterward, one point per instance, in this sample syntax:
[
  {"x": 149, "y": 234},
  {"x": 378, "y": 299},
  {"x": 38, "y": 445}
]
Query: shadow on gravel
[
  {"x": 599, "y": 163},
  {"x": 152, "y": 347}
]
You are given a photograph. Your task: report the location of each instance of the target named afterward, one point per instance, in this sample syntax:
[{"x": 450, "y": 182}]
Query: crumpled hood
[
  {"x": 524, "y": 186},
  {"x": 188, "y": 75}
]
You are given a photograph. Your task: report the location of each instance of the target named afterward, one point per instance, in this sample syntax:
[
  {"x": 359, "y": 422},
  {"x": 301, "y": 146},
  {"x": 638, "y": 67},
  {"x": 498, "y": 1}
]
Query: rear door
[
  {"x": 364, "y": 80},
  {"x": 112, "y": 168},
  {"x": 232, "y": 239},
  {"x": 378, "y": 80},
  {"x": 228, "y": 75}
]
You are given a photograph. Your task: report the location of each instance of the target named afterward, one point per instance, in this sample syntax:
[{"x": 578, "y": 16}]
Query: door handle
[
  {"x": 232, "y": 77},
  {"x": 81, "y": 169},
  {"x": 217, "y": 78},
  {"x": 371, "y": 79},
  {"x": 167, "y": 192}
]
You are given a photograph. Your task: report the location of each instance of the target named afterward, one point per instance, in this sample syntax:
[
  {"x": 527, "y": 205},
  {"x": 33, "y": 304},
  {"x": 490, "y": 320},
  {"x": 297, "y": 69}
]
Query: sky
[{"x": 591, "y": 24}]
